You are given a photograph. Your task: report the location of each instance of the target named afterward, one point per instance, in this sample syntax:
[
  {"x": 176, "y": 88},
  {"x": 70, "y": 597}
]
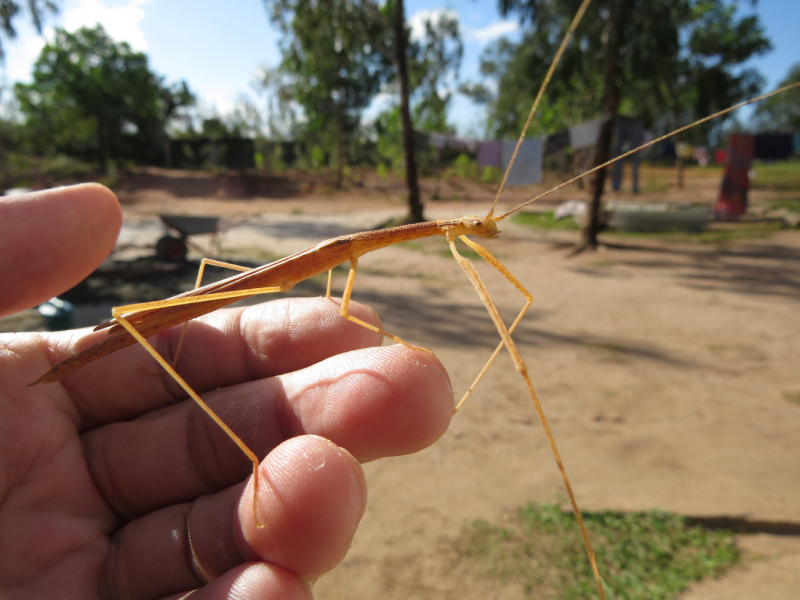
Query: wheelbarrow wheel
[{"x": 171, "y": 248}]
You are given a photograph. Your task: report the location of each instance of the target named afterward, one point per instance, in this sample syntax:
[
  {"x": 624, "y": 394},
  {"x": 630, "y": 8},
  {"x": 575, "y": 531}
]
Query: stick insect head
[{"x": 483, "y": 227}]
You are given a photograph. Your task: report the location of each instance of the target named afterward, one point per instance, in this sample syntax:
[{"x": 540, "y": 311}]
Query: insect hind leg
[
  {"x": 343, "y": 311},
  {"x": 119, "y": 316}
]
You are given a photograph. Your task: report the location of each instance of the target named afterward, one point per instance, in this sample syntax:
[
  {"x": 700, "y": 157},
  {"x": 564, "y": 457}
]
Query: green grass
[
  {"x": 777, "y": 176},
  {"x": 791, "y": 205},
  {"x": 641, "y": 556},
  {"x": 793, "y": 397},
  {"x": 545, "y": 220},
  {"x": 717, "y": 233},
  {"x": 23, "y": 170}
]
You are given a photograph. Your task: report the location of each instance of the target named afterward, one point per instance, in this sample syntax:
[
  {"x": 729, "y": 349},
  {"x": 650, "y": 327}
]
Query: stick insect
[{"x": 135, "y": 323}]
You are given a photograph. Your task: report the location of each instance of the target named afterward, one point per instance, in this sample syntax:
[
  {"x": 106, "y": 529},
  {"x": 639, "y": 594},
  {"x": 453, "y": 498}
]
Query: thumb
[{"x": 52, "y": 239}]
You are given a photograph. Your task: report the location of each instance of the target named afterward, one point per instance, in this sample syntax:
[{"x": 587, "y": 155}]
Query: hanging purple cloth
[{"x": 490, "y": 154}]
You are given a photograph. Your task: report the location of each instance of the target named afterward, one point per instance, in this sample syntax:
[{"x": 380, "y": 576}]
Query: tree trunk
[
  {"x": 339, "y": 147},
  {"x": 414, "y": 201},
  {"x": 676, "y": 139},
  {"x": 102, "y": 146},
  {"x": 611, "y": 100}
]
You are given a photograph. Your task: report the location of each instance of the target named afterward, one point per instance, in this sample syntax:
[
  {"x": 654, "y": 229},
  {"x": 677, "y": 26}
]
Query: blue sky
[{"x": 219, "y": 49}]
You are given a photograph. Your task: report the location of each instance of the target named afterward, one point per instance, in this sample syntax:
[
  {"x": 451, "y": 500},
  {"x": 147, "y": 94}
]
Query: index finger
[{"x": 227, "y": 347}]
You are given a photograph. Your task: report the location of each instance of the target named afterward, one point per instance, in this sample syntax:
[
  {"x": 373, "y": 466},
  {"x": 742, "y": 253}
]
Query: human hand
[{"x": 113, "y": 485}]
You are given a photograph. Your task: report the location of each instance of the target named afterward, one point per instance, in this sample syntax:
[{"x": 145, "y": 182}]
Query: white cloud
[
  {"x": 482, "y": 35},
  {"x": 214, "y": 100},
  {"x": 120, "y": 22},
  {"x": 20, "y": 58},
  {"x": 417, "y": 21},
  {"x": 491, "y": 31}
]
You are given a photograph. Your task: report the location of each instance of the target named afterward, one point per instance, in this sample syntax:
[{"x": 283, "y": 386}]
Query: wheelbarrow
[{"x": 175, "y": 243}]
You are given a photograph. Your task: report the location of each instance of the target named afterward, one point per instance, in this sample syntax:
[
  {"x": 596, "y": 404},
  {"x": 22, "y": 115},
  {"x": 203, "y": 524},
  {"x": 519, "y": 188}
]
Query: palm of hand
[{"x": 112, "y": 485}]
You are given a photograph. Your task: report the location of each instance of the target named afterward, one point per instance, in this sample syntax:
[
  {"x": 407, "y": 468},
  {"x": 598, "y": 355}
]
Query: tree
[
  {"x": 337, "y": 55},
  {"x": 9, "y": 10},
  {"x": 330, "y": 69},
  {"x": 421, "y": 68},
  {"x": 433, "y": 60},
  {"x": 97, "y": 99},
  {"x": 782, "y": 112},
  {"x": 644, "y": 59}
]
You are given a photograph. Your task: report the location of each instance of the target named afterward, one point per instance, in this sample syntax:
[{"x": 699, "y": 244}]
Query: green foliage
[
  {"x": 389, "y": 133},
  {"x": 782, "y": 112},
  {"x": 98, "y": 100},
  {"x": 21, "y": 169},
  {"x": 544, "y": 220},
  {"x": 317, "y": 156},
  {"x": 648, "y": 556},
  {"x": 329, "y": 68},
  {"x": 491, "y": 175},
  {"x": 433, "y": 60},
  {"x": 464, "y": 167},
  {"x": 679, "y": 60}
]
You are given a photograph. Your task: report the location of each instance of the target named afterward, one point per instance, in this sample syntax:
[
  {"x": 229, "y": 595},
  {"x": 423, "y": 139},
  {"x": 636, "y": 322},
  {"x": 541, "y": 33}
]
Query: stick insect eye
[{"x": 476, "y": 223}]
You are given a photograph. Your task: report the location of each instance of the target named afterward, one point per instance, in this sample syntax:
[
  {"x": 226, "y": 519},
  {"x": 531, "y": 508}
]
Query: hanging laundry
[
  {"x": 701, "y": 155},
  {"x": 684, "y": 150},
  {"x": 732, "y": 200},
  {"x": 490, "y": 154},
  {"x": 628, "y": 134},
  {"x": 438, "y": 140},
  {"x": 527, "y": 167},
  {"x": 445, "y": 140},
  {"x": 586, "y": 134},
  {"x": 773, "y": 146}
]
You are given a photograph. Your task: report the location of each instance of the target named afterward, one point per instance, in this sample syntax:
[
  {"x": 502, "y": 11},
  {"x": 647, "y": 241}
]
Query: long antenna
[
  {"x": 655, "y": 141},
  {"x": 550, "y": 71}
]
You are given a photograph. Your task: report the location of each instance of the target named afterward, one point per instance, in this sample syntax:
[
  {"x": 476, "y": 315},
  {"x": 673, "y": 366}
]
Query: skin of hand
[{"x": 113, "y": 485}]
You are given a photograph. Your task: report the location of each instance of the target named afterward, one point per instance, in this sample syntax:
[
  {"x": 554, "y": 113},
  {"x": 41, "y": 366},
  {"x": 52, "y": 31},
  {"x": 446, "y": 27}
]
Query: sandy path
[{"x": 664, "y": 370}]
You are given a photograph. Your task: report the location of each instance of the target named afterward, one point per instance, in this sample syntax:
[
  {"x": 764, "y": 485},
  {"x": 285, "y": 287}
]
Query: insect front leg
[
  {"x": 522, "y": 369},
  {"x": 492, "y": 260}
]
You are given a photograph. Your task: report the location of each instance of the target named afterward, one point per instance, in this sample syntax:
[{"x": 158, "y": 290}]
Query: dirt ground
[{"x": 669, "y": 373}]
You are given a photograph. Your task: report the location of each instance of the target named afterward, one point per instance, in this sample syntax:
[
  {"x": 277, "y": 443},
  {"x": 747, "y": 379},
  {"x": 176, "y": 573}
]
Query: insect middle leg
[
  {"x": 343, "y": 311},
  {"x": 203, "y": 263}
]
